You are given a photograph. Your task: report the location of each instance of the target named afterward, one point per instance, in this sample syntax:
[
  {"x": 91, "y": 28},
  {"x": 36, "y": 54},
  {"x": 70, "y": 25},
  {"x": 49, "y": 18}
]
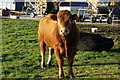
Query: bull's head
[{"x": 65, "y": 21}]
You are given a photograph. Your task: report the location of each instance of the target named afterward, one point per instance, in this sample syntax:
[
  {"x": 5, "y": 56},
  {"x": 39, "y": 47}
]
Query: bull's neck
[{"x": 64, "y": 45}]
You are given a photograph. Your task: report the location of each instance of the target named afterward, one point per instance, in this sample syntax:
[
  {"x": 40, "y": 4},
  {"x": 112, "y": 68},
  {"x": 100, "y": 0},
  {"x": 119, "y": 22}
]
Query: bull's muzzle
[{"x": 64, "y": 31}]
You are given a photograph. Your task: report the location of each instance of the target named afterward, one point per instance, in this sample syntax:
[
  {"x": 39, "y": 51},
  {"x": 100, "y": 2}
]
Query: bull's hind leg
[
  {"x": 50, "y": 57},
  {"x": 42, "y": 50}
]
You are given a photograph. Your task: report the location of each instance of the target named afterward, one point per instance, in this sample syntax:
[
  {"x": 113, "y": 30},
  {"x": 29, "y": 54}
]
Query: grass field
[{"x": 21, "y": 56}]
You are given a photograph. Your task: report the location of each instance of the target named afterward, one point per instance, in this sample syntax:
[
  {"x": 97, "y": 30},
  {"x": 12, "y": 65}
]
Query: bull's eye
[
  {"x": 70, "y": 21},
  {"x": 65, "y": 30}
]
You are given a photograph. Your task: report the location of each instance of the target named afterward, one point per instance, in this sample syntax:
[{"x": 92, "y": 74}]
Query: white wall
[
  {"x": 9, "y": 5},
  {"x": 6, "y": 0}
]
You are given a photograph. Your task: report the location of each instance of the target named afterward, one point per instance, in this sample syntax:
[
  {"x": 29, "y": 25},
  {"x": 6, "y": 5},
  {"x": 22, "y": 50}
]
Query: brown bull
[{"x": 61, "y": 34}]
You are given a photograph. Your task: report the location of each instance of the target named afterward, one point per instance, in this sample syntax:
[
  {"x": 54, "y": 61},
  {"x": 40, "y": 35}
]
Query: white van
[{"x": 73, "y": 6}]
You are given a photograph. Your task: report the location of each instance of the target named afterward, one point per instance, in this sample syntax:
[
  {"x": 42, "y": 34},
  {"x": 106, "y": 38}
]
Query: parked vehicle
[
  {"x": 73, "y": 6},
  {"x": 108, "y": 11}
]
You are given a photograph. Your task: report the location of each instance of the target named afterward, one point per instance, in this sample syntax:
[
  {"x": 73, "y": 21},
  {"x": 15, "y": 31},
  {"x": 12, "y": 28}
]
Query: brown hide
[
  {"x": 61, "y": 34},
  {"x": 49, "y": 33}
]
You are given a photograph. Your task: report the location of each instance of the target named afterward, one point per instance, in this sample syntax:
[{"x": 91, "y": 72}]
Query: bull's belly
[{"x": 49, "y": 42}]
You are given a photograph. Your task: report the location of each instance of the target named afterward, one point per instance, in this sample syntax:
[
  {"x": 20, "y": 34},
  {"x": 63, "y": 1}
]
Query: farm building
[
  {"x": 17, "y": 4},
  {"x": 36, "y": 5},
  {"x": 12, "y": 4}
]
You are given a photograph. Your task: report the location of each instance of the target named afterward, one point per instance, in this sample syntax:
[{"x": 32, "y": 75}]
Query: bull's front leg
[
  {"x": 70, "y": 63},
  {"x": 60, "y": 63}
]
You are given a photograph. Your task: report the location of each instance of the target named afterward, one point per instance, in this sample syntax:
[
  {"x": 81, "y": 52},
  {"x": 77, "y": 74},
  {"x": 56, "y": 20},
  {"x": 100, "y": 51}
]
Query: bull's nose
[{"x": 64, "y": 31}]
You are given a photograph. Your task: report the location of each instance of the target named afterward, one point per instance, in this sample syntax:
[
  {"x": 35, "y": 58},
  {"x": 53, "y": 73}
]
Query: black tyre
[
  {"x": 100, "y": 21},
  {"x": 82, "y": 19},
  {"x": 109, "y": 20},
  {"x": 93, "y": 19},
  {"x": 32, "y": 15}
]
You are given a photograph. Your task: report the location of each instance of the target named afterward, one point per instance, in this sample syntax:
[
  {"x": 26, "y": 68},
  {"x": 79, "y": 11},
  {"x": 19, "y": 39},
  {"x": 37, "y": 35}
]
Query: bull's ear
[
  {"x": 75, "y": 17},
  {"x": 54, "y": 17}
]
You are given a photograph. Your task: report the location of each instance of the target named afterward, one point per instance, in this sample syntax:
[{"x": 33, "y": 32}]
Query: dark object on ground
[
  {"x": 94, "y": 42},
  {"x": 5, "y": 12}
]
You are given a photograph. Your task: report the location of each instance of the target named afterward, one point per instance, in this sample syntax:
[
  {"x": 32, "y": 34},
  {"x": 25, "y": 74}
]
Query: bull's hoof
[
  {"x": 49, "y": 65},
  {"x": 70, "y": 76},
  {"x": 43, "y": 66},
  {"x": 61, "y": 77}
]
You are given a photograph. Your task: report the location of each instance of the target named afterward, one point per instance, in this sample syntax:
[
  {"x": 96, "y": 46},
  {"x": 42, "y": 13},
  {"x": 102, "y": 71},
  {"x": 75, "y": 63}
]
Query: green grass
[{"x": 21, "y": 56}]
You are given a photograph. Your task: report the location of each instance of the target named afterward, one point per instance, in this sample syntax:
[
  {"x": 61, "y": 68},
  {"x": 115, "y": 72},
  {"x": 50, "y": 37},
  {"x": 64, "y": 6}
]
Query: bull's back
[
  {"x": 46, "y": 30},
  {"x": 44, "y": 24}
]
